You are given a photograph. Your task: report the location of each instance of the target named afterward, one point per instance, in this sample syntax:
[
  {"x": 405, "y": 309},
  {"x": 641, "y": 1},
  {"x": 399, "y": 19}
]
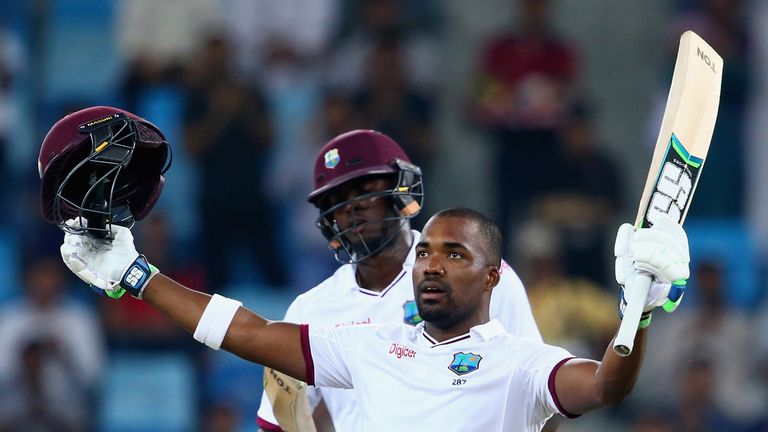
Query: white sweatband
[{"x": 217, "y": 317}]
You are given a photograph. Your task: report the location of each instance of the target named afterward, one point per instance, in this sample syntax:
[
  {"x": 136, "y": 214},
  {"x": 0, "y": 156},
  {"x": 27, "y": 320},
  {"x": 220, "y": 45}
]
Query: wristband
[
  {"x": 138, "y": 275},
  {"x": 217, "y": 317}
]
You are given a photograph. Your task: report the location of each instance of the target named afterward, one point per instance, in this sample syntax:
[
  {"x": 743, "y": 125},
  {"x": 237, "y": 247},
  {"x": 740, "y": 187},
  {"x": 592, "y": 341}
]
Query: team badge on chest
[
  {"x": 411, "y": 315},
  {"x": 464, "y": 363}
]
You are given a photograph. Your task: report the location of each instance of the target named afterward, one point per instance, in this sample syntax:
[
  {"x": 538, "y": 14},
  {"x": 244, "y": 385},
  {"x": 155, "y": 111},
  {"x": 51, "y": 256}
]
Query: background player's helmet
[
  {"x": 354, "y": 155},
  {"x": 104, "y": 165}
]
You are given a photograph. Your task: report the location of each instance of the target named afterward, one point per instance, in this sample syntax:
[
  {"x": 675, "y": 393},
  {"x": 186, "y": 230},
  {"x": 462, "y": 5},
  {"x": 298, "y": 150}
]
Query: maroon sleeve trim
[
  {"x": 267, "y": 426},
  {"x": 551, "y": 386},
  {"x": 308, "y": 363}
]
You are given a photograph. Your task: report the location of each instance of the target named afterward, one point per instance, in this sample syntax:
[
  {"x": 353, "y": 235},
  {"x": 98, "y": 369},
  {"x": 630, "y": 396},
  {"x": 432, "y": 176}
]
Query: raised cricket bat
[{"x": 686, "y": 131}]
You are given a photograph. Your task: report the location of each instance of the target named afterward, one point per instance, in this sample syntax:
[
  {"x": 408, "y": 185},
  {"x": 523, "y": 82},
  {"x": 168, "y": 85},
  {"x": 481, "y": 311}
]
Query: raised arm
[
  {"x": 115, "y": 267},
  {"x": 273, "y": 344},
  {"x": 584, "y": 385},
  {"x": 660, "y": 251}
]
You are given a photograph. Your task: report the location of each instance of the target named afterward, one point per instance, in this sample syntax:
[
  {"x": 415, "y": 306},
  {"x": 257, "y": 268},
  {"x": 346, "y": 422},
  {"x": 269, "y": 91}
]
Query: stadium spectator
[
  {"x": 697, "y": 409},
  {"x": 51, "y": 354},
  {"x": 273, "y": 40},
  {"x": 294, "y": 182},
  {"x": 389, "y": 103},
  {"x": 583, "y": 198},
  {"x": 524, "y": 81},
  {"x": 156, "y": 39},
  {"x": 708, "y": 331},
  {"x": 228, "y": 132},
  {"x": 11, "y": 65},
  {"x": 372, "y": 21},
  {"x": 559, "y": 299},
  {"x": 722, "y": 23}
]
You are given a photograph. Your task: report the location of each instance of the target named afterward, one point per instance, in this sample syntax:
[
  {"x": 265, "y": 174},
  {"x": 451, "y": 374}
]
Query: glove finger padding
[
  {"x": 660, "y": 294},
  {"x": 621, "y": 251},
  {"x": 657, "y": 295},
  {"x": 99, "y": 263},
  {"x": 73, "y": 262},
  {"x": 76, "y": 223},
  {"x": 70, "y": 258},
  {"x": 662, "y": 250},
  {"x": 122, "y": 240},
  {"x": 79, "y": 267}
]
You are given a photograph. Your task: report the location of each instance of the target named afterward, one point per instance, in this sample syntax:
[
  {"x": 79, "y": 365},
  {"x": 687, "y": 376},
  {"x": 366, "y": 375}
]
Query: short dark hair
[{"x": 490, "y": 231}]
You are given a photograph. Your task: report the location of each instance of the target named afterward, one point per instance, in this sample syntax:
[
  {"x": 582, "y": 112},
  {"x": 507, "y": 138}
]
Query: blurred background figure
[
  {"x": 559, "y": 299},
  {"x": 369, "y": 22},
  {"x": 723, "y": 24},
  {"x": 697, "y": 409},
  {"x": 278, "y": 50},
  {"x": 525, "y": 79},
  {"x": 584, "y": 197},
  {"x": 228, "y": 132},
  {"x": 280, "y": 42},
  {"x": 11, "y": 64},
  {"x": 540, "y": 112},
  {"x": 704, "y": 351},
  {"x": 293, "y": 181},
  {"x": 30, "y": 402},
  {"x": 219, "y": 418},
  {"x": 154, "y": 51},
  {"x": 51, "y": 354},
  {"x": 651, "y": 422},
  {"x": 391, "y": 104}
]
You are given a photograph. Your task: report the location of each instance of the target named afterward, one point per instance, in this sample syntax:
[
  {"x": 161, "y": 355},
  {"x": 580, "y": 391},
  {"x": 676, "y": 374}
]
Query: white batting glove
[
  {"x": 661, "y": 251},
  {"x": 113, "y": 266}
]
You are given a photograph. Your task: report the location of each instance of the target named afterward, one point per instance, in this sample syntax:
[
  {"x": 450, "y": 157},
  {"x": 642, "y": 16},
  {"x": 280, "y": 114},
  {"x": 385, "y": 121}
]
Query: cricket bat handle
[{"x": 635, "y": 293}]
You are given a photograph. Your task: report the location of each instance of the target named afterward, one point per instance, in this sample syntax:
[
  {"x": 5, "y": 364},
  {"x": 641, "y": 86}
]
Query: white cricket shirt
[
  {"x": 485, "y": 380},
  {"x": 339, "y": 301}
]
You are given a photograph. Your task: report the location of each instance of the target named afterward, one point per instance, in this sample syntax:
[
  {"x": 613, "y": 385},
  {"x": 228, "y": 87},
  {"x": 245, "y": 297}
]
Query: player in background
[
  {"x": 457, "y": 370},
  {"x": 366, "y": 190}
]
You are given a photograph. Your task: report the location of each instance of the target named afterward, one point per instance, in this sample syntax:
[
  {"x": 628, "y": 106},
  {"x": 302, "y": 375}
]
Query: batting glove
[
  {"x": 110, "y": 266},
  {"x": 661, "y": 251}
]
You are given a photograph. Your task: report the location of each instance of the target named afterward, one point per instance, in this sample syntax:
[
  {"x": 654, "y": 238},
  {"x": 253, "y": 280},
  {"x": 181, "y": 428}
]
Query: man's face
[
  {"x": 451, "y": 272},
  {"x": 363, "y": 217}
]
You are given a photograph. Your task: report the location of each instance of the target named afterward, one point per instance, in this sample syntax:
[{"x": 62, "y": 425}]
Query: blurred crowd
[{"x": 247, "y": 91}]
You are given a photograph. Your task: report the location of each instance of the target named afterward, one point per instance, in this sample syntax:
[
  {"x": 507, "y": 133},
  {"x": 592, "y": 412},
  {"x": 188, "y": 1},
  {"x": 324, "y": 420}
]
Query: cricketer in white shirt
[
  {"x": 340, "y": 302},
  {"x": 405, "y": 370},
  {"x": 401, "y": 372}
]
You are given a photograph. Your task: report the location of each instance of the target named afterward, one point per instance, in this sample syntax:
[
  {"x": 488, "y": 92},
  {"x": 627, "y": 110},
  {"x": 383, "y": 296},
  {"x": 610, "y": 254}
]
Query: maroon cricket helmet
[
  {"x": 104, "y": 165},
  {"x": 352, "y": 156},
  {"x": 355, "y": 154}
]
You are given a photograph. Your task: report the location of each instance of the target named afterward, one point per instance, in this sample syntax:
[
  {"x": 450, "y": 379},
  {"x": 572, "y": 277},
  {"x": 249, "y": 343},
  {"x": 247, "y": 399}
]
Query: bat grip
[{"x": 635, "y": 293}]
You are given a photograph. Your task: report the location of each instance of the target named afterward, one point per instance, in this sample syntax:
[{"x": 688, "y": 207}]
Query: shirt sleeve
[
  {"x": 297, "y": 311},
  {"x": 538, "y": 365},
  {"x": 333, "y": 351},
  {"x": 509, "y": 304}
]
